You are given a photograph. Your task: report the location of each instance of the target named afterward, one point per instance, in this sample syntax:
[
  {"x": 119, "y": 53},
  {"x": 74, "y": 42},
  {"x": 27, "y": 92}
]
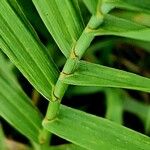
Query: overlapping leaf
[
  {"x": 95, "y": 133},
  {"x": 63, "y": 20},
  {"x": 135, "y": 5},
  {"x": 130, "y": 26},
  {"x": 15, "y": 106},
  {"x": 105, "y": 6},
  {"x": 121, "y": 27},
  {"x": 22, "y": 46},
  {"x": 89, "y": 74}
]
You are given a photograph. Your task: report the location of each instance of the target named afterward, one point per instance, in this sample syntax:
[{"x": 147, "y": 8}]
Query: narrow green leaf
[
  {"x": 121, "y": 27},
  {"x": 105, "y": 6},
  {"x": 89, "y": 74},
  {"x": 6, "y": 68},
  {"x": 134, "y": 5},
  {"x": 15, "y": 107},
  {"x": 63, "y": 20},
  {"x": 24, "y": 48},
  {"x": 114, "y": 100},
  {"x": 95, "y": 133}
]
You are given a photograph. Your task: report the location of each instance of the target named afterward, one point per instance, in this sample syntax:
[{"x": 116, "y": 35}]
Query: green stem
[
  {"x": 44, "y": 136},
  {"x": 70, "y": 66}
]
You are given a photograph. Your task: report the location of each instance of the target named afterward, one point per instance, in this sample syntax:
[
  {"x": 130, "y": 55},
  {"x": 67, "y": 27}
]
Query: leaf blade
[
  {"x": 25, "y": 50},
  {"x": 121, "y": 27},
  {"x": 16, "y": 107},
  {"x": 106, "y": 77},
  {"x": 136, "y": 5},
  {"x": 95, "y": 133}
]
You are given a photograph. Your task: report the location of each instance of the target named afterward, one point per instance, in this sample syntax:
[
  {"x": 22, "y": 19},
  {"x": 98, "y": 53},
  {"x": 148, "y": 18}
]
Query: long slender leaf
[
  {"x": 106, "y": 5},
  {"x": 121, "y": 27},
  {"x": 63, "y": 20},
  {"x": 135, "y": 5},
  {"x": 95, "y": 133},
  {"x": 24, "y": 48},
  {"x": 15, "y": 107},
  {"x": 89, "y": 74}
]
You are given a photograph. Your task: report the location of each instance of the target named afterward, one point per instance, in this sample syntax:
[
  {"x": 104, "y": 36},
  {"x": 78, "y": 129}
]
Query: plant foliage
[{"x": 31, "y": 38}]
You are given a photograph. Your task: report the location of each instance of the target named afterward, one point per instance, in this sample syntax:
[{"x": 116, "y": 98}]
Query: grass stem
[{"x": 71, "y": 64}]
